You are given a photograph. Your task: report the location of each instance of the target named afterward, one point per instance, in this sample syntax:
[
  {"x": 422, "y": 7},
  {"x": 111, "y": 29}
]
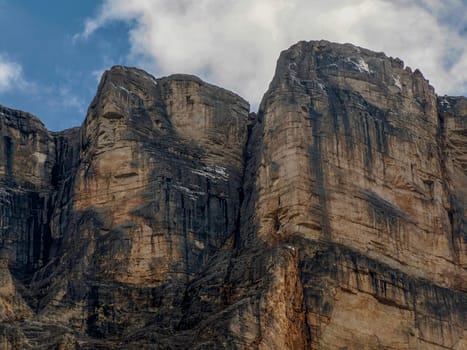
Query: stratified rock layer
[{"x": 172, "y": 219}]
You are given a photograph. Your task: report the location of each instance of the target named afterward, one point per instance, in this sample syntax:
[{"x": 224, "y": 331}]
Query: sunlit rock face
[
  {"x": 334, "y": 218},
  {"x": 354, "y": 165},
  {"x": 350, "y": 153},
  {"x": 160, "y": 173}
]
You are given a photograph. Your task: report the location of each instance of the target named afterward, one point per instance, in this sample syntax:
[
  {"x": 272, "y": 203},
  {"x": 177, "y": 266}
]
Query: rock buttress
[
  {"x": 453, "y": 133},
  {"x": 160, "y": 173},
  {"x": 350, "y": 154},
  {"x": 347, "y": 167}
]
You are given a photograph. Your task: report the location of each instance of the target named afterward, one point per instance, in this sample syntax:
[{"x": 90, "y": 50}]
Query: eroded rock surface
[
  {"x": 161, "y": 167},
  {"x": 453, "y": 118},
  {"x": 334, "y": 218},
  {"x": 345, "y": 128}
]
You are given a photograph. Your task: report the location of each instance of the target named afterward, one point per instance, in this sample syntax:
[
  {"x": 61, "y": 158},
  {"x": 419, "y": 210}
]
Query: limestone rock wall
[
  {"x": 161, "y": 168},
  {"x": 24, "y": 142},
  {"x": 29, "y": 179},
  {"x": 350, "y": 154},
  {"x": 172, "y": 218},
  {"x": 453, "y": 113},
  {"x": 355, "y": 301}
]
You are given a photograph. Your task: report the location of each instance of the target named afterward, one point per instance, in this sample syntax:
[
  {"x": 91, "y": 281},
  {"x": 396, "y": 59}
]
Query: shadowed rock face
[
  {"x": 35, "y": 170},
  {"x": 453, "y": 119},
  {"x": 174, "y": 219}
]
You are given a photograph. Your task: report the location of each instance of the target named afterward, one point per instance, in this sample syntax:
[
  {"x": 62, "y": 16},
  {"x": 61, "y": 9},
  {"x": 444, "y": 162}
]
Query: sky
[{"x": 52, "y": 53}]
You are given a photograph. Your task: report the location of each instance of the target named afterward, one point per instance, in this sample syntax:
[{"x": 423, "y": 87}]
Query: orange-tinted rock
[
  {"x": 335, "y": 218},
  {"x": 161, "y": 166},
  {"x": 350, "y": 154}
]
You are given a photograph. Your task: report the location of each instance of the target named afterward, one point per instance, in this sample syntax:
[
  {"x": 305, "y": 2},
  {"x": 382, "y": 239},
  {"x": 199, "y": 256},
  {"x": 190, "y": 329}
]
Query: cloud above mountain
[
  {"x": 235, "y": 43},
  {"x": 11, "y": 74}
]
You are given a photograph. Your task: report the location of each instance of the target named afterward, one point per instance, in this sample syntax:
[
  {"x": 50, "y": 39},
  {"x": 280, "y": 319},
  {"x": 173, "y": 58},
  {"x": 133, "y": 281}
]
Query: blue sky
[
  {"x": 53, "y": 52},
  {"x": 60, "y": 74}
]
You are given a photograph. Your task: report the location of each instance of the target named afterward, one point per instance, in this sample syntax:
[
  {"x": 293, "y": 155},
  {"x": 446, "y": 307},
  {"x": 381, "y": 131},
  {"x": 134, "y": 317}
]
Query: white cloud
[
  {"x": 68, "y": 100},
  {"x": 61, "y": 98},
  {"x": 11, "y": 75},
  {"x": 97, "y": 74},
  {"x": 235, "y": 43}
]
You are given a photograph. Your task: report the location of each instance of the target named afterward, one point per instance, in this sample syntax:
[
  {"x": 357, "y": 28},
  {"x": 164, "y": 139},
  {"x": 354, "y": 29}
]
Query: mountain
[{"x": 173, "y": 218}]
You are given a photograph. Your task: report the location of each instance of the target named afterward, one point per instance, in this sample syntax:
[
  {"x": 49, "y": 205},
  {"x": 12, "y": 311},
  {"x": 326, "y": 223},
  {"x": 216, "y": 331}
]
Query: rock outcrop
[
  {"x": 347, "y": 128},
  {"x": 334, "y": 218}
]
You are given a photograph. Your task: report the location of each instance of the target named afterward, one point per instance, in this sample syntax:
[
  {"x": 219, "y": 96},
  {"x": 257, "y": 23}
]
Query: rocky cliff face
[
  {"x": 357, "y": 130},
  {"x": 160, "y": 173},
  {"x": 333, "y": 218}
]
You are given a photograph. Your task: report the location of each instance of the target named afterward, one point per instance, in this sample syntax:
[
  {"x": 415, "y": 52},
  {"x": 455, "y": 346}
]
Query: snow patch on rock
[
  {"x": 191, "y": 194},
  {"x": 397, "y": 81},
  {"x": 213, "y": 172},
  {"x": 360, "y": 64}
]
